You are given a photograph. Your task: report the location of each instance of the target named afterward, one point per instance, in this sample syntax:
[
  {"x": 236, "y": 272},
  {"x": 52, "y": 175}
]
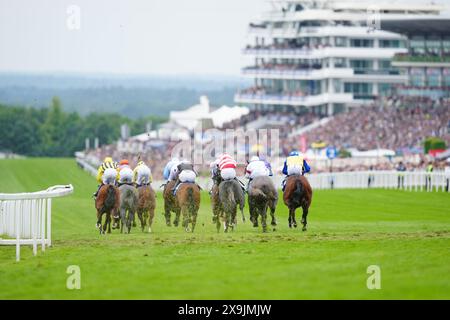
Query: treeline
[{"x": 55, "y": 133}]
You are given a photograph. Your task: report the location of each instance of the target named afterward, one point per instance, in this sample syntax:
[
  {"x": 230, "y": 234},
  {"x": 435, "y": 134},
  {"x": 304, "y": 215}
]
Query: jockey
[
  {"x": 185, "y": 172},
  {"x": 142, "y": 175},
  {"x": 167, "y": 169},
  {"x": 227, "y": 167},
  {"x": 295, "y": 164},
  {"x": 125, "y": 175},
  {"x": 268, "y": 166},
  {"x": 255, "y": 168},
  {"x": 106, "y": 173}
]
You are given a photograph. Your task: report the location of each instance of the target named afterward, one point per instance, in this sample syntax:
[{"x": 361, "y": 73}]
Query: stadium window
[
  {"x": 390, "y": 44},
  {"x": 361, "y": 43},
  {"x": 340, "y": 42}
]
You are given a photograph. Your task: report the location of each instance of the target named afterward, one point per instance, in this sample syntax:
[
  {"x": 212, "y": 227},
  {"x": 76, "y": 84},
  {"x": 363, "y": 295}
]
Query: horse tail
[
  {"x": 298, "y": 188},
  {"x": 110, "y": 197},
  {"x": 231, "y": 198},
  {"x": 297, "y": 195}
]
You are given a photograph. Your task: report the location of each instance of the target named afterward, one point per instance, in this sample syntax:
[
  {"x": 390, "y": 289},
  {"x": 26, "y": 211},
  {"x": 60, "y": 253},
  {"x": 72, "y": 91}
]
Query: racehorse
[
  {"x": 188, "y": 198},
  {"x": 107, "y": 201},
  {"x": 231, "y": 195},
  {"x": 262, "y": 194},
  {"x": 128, "y": 204},
  {"x": 170, "y": 204},
  {"x": 298, "y": 193},
  {"x": 146, "y": 206}
]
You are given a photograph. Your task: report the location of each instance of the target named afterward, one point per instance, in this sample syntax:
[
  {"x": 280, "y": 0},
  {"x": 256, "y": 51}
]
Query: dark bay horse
[
  {"x": 146, "y": 206},
  {"x": 231, "y": 196},
  {"x": 107, "y": 202},
  {"x": 298, "y": 193},
  {"x": 262, "y": 195},
  {"x": 170, "y": 204},
  {"x": 188, "y": 198}
]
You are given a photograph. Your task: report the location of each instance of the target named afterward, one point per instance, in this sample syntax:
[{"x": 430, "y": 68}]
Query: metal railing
[
  {"x": 410, "y": 180},
  {"x": 25, "y": 218}
]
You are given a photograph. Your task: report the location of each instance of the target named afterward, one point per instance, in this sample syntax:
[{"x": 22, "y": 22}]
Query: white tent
[
  {"x": 191, "y": 117},
  {"x": 226, "y": 114}
]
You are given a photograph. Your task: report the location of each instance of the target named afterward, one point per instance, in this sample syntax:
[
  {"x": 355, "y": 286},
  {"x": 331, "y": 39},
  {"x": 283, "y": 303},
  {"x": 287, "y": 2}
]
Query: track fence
[{"x": 25, "y": 218}]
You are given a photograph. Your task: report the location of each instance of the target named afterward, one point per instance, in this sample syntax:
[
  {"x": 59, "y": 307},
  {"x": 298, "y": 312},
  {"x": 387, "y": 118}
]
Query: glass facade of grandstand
[{"x": 323, "y": 56}]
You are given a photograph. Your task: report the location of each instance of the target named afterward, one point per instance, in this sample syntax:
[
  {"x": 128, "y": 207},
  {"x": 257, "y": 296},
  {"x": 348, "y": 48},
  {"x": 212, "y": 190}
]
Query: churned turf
[{"x": 407, "y": 234}]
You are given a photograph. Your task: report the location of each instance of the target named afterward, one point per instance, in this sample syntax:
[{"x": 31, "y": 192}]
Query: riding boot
[
  {"x": 176, "y": 186},
  {"x": 283, "y": 184}
]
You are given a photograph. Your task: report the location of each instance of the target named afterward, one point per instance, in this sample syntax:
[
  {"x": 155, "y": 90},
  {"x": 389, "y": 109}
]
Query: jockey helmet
[
  {"x": 294, "y": 153},
  {"x": 254, "y": 158},
  {"x": 124, "y": 162},
  {"x": 141, "y": 163},
  {"x": 108, "y": 159}
]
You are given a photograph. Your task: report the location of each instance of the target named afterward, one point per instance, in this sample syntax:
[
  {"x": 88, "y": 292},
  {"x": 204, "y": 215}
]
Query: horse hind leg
[
  {"x": 141, "y": 219},
  {"x": 123, "y": 221},
  {"x": 176, "y": 221},
  {"x": 108, "y": 221},
  {"x": 167, "y": 213},
  {"x": 131, "y": 220},
  {"x": 151, "y": 215},
  {"x": 98, "y": 225},
  {"x": 264, "y": 218},
  {"x": 304, "y": 217}
]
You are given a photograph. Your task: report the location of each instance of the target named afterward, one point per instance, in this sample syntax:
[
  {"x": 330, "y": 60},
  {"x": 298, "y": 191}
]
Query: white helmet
[{"x": 254, "y": 158}]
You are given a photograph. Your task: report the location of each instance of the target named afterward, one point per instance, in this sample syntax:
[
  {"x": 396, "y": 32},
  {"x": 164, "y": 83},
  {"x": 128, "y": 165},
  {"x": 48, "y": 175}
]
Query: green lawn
[{"x": 407, "y": 234}]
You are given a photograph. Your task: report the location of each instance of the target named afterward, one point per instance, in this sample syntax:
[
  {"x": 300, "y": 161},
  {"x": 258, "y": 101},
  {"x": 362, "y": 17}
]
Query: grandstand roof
[{"x": 417, "y": 26}]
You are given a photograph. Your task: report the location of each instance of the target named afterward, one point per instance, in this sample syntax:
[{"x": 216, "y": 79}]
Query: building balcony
[
  {"x": 297, "y": 74},
  {"x": 292, "y": 100},
  {"x": 407, "y": 60},
  {"x": 324, "y": 52}
]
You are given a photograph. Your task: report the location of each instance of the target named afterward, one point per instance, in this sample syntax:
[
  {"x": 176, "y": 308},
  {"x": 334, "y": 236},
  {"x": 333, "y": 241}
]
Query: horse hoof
[
  {"x": 149, "y": 230},
  {"x": 274, "y": 229},
  {"x": 304, "y": 229}
]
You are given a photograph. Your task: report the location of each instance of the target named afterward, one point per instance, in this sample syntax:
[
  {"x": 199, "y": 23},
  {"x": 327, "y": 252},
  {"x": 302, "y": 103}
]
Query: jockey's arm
[
  {"x": 306, "y": 167},
  {"x": 135, "y": 175},
  {"x": 100, "y": 174},
  {"x": 285, "y": 171}
]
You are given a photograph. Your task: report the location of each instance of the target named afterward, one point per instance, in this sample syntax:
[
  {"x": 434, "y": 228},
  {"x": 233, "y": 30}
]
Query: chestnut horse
[
  {"x": 262, "y": 195},
  {"x": 298, "y": 193},
  {"x": 146, "y": 206},
  {"x": 107, "y": 202},
  {"x": 188, "y": 198},
  {"x": 170, "y": 204}
]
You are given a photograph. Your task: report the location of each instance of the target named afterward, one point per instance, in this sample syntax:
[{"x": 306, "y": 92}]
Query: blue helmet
[{"x": 294, "y": 153}]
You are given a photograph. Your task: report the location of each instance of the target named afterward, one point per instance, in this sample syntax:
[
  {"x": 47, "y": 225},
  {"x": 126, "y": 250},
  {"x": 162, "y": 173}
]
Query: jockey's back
[
  {"x": 256, "y": 168},
  {"x": 108, "y": 163},
  {"x": 142, "y": 174}
]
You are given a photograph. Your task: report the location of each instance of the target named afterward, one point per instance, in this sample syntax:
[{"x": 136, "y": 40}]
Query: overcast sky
[{"x": 127, "y": 36}]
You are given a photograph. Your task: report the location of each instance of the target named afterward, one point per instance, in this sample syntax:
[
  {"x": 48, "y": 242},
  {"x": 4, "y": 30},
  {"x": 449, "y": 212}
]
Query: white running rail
[
  {"x": 408, "y": 181},
  {"x": 25, "y": 218}
]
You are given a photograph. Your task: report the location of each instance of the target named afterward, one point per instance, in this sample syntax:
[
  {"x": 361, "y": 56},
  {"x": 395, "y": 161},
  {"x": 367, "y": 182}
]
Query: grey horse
[
  {"x": 231, "y": 195},
  {"x": 128, "y": 203},
  {"x": 262, "y": 195}
]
